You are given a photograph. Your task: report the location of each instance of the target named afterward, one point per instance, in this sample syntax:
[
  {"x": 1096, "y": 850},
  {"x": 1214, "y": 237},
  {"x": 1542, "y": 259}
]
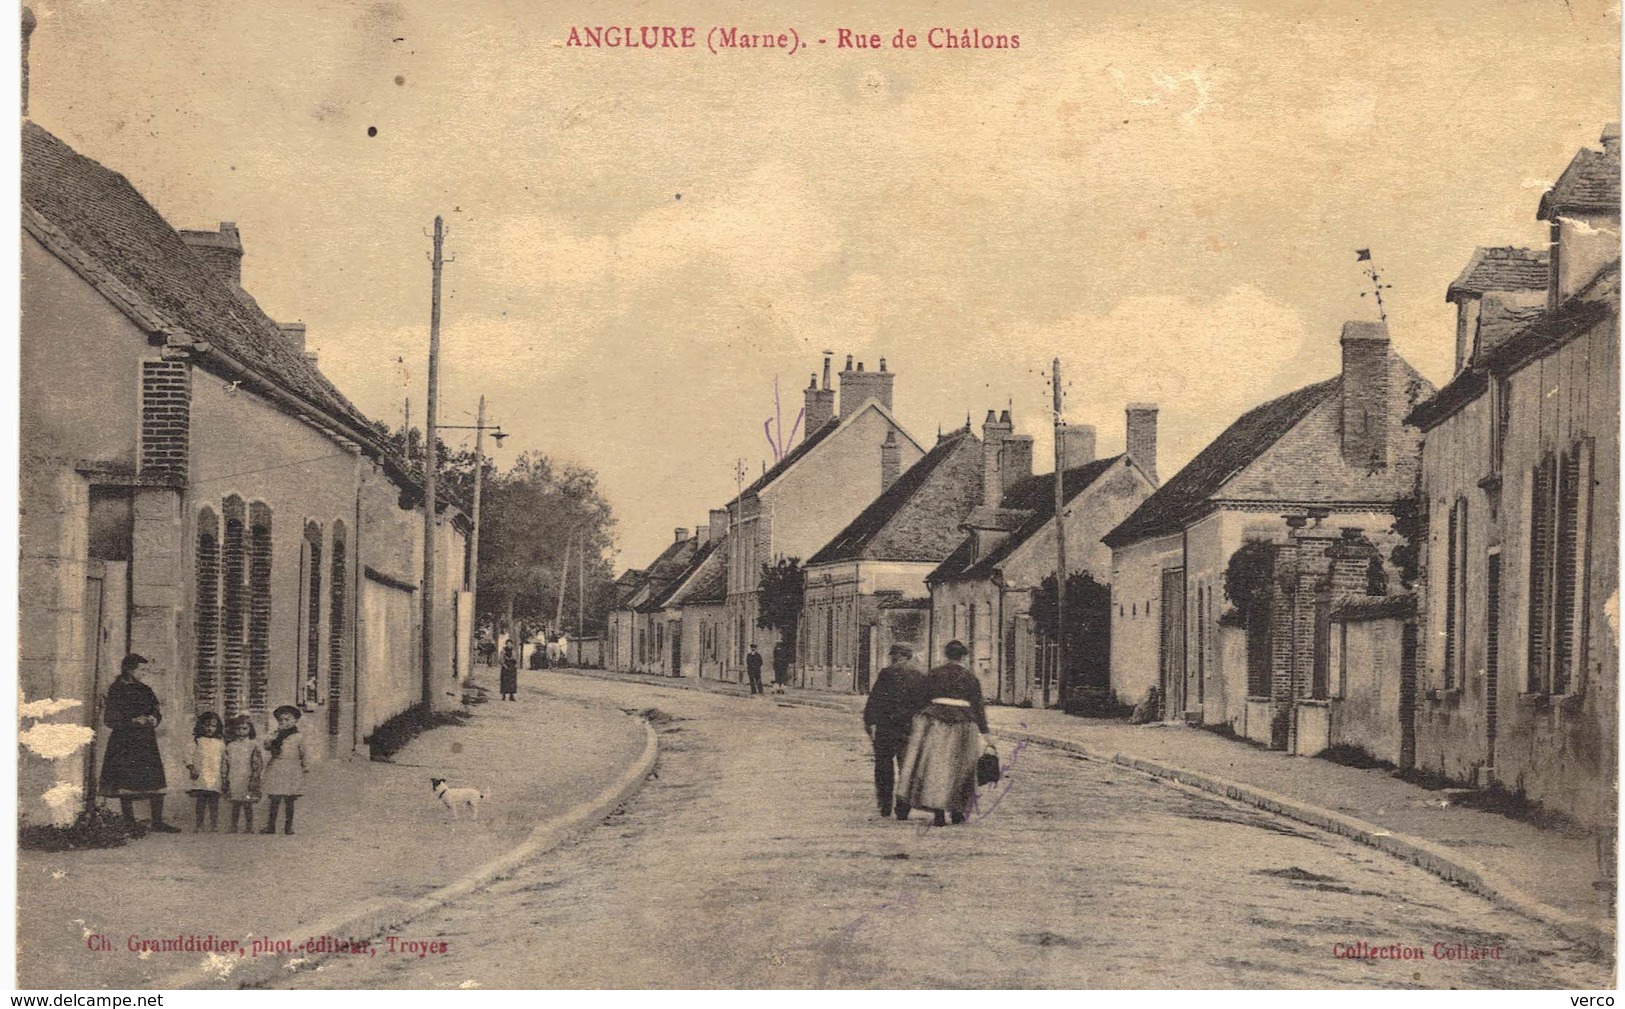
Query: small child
[
  {"x": 204, "y": 765},
  {"x": 285, "y": 773},
  {"x": 241, "y": 771}
]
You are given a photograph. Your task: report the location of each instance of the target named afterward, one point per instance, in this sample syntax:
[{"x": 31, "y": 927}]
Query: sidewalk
[
  {"x": 365, "y": 832},
  {"x": 1541, "y": 873}
]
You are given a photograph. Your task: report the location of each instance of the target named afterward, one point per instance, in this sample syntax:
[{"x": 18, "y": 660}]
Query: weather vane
[{"x": 1377, "y": 286}]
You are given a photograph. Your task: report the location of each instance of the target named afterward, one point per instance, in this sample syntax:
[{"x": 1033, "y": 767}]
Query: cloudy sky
[{"x": 1167, "y": 195}]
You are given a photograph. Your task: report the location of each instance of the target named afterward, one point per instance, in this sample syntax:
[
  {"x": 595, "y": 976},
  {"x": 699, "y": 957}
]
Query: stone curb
[
  {"x": 374, "y": 918},
  {"x": 1596, "y": 935}
]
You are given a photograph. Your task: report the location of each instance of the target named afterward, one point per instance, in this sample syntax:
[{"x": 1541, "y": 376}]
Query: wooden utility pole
[
  {"x": 430, "y": 589},
  {"x": 471, "y": 574},
  {"x": 581, "y": 588},
  {"x": 1060, "y": 541}
]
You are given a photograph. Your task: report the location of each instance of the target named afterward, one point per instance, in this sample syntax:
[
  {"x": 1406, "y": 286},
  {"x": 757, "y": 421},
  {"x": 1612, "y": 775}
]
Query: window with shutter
[
  {"x": 1542, "y": 531},
  {"x": 335, "y": 628},
  {"x": 259, "y": 607},
  {"x": 233, "y": 605},
  {"x": 206, "y": 676},
  {"x": 1451, "y": 613}
]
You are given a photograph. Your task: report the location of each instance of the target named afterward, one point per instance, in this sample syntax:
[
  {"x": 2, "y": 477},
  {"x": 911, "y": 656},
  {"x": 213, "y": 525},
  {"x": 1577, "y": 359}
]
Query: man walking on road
[
  {"x": 887, "y": 718},
  {"x": 753, "y": 667}
]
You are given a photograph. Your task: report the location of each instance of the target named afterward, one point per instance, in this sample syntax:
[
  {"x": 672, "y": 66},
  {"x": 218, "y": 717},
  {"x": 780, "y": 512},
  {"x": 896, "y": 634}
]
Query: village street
[{"x": 755, "y": 859}]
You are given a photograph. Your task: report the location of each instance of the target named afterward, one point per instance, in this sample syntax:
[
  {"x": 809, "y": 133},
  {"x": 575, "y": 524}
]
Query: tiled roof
[
  {"x": 1034, "y": 496},
  {"x": 101, "y": 214},
  {"x": 917, "y": 518},
  {"x": 666, "y": 568},
  {"x": 1501, "y": 268},
  {"x": 705, "y": 580},
  {"x": 1185, "y": 494},
  {"x": 1544, "y": 334},
  {"x": 1591, "y": 182}
]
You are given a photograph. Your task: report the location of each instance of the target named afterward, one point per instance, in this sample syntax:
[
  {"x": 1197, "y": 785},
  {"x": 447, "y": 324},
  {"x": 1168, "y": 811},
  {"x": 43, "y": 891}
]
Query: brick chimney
[
  {"x": 681, "y": 533},
  {"x": 1142, "y": 437},
  {"x": 1078, "y": 442},
  {"x": 28, "y": 31},
  {"x": 891, "y": 460},
  {"x": 1610, "y": 138},
  {"x": 995, "y": 429},
  {"x": 295, "y": 333},
  {"x": 1016, "y": 461},
  {"x": 859, "y": 387},
  {"x": 221, "y": 250},
  {"x": 719, "y": 523},
  {"x": 820, "y": 402},
  {"x": 1365, "y": 394}
]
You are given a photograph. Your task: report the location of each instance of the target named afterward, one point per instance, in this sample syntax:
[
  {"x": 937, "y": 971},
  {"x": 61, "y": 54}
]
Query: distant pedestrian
[
  {"x": 204, "y": 764},
  {"x": 949, "y": 735},
  {"x": 753, "y": 669},
  {"x": 133, "y": 768},
  {"x": 888, "y": 716},
  {"x": 243, "y": 772},
  {"x": 285, "y": 771},
  {"x": 510, "y": 672}
]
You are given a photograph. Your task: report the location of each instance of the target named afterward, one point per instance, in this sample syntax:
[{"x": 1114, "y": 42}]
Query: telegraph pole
[
  {"x": 1060, "y": 542},
  {"x": 437, "y": 262}
]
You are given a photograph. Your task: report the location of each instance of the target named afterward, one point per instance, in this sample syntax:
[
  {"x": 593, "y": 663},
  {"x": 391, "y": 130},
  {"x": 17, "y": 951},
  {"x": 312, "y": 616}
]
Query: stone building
[
  {"x": 1339, "y": 445},
  {"x": 193, "y": 489},
  {"x": 1520, "y": 485},
  {"x": 634, "y": 616},
  {"x": 865, "y": 589},
  {"x": 981, "y": 593},
  {"x": 804, "y": 499}
]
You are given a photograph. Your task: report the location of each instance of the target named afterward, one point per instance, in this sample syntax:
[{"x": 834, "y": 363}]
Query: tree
[
  {"x": 1088, "y": 627},
  {"x": 783, "y": 588},
  {"x": 532, "y": 515},
  {"x": 1247, "y": 581},
  {"x": 1411, "y": 525}
]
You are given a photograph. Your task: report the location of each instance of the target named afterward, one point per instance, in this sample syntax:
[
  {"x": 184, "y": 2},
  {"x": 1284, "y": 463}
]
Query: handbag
[{"x": 988, "y": 771}]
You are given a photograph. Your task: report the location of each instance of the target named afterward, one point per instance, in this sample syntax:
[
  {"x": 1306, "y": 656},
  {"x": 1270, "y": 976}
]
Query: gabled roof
[
  {"x": 663, "y": 596},
  {"x": 1590, "y": 183},
  {"x": 1034, "y": 496},
  {"x": 1501, "y": 268},
  {"x": 916, "y": 518},
  {"x": 1186, "y": 493},
  {"x": 671, "y": 563},
  {"x": 1499, "y": 319},
  {"x": 811, "y": 441},
  {"x": 79, "y": 206}
]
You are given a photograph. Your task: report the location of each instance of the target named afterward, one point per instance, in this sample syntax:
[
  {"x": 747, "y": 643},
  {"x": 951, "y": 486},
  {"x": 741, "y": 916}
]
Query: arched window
[
  {"x": 259, "y": 607},
  {"x": 206, "y": 629},
  {"x": 335, "y": 628},
  {"x": 233, "y": 605}
]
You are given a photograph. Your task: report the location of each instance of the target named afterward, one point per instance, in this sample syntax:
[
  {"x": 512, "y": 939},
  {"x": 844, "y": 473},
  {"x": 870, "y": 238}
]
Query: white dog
[{"x": 457, "y": 799}]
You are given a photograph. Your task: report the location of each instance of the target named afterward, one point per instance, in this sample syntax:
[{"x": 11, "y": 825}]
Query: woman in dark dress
[
  {"x": 510, "y": 673},
  {"x": 133, "y": 768},
  {"x": 949, "y": 734}
]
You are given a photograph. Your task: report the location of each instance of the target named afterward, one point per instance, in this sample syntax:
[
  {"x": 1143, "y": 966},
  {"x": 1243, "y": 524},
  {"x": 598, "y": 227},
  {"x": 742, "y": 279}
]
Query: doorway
[{"x": 1172, "y": 650}]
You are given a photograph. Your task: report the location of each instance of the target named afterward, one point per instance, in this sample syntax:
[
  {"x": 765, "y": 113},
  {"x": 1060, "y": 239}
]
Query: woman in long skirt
[{"x": 949, "y": 734}]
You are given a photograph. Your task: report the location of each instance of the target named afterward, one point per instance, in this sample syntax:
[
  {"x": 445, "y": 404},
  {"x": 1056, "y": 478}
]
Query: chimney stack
[
  {"x": 1365, "y": 394},
  {"x": 1142, "y": 437},
  {"x": 28, "y": 31},
  {"x": 221, "y": 251},
  {"x": 719, "y": 523},
  {"x": 995, "y": 430},
  {"x": 819, "y": 405},
  {"x": 295, "y": 332},
  {"x": 1016, "y": 461},
  {"x": 681, "y": 533},
  {"x": 1078, "y": 444},
  {"x": 891, "y": 460},
  {"x": 859, "y": 387},
  {"x": 702, "y": 535},
  {"x": 1610, "y": 133}
]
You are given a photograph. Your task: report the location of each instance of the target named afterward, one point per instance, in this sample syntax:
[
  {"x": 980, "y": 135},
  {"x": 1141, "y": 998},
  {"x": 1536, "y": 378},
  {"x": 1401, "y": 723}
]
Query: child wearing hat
[
  {"x": 285, "y": 773},
  {"x": 242, "y": 771}
]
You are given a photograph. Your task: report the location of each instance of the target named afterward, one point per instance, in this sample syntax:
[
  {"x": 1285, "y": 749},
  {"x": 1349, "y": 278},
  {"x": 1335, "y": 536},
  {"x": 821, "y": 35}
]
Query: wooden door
[{"x": 1173, "y": 643}]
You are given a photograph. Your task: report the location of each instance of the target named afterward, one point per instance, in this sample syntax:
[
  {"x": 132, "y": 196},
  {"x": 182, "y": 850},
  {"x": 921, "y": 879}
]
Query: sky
[{"x": 649, "y": 244}]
